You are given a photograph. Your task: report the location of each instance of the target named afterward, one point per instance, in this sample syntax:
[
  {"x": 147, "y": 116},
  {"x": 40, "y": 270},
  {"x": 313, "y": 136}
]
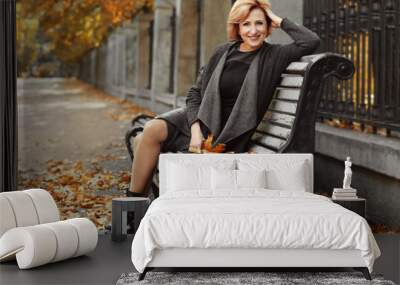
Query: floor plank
[{"x": 102, "y": 266}]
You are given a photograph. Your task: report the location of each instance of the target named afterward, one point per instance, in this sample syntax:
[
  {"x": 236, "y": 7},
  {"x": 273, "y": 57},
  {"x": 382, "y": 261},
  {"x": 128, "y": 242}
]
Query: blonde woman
[{"x": 232, "y": 92}]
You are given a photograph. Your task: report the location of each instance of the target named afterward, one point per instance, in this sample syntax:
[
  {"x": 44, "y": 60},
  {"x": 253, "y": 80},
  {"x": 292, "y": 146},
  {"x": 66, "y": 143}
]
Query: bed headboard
[{"x": 210, "y": 159}]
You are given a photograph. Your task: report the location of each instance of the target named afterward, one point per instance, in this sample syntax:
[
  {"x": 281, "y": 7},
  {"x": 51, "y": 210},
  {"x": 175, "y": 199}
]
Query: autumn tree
[{"x": 72, "y": 27}]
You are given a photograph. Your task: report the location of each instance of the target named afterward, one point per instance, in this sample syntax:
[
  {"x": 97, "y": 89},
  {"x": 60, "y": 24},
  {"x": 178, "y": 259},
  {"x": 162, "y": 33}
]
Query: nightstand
[
  {"x": 357, "y": 205},
  {"x": 120, "y": 209}
]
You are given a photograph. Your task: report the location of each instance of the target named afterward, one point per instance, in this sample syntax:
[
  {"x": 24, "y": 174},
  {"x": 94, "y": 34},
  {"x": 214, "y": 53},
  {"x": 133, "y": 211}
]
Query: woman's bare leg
[
  {"x": 147, "y": 147},
  {"x": 137, "y": 139}
]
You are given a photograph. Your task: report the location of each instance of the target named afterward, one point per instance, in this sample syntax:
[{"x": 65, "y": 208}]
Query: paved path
[{"x": 71, "y": 142}]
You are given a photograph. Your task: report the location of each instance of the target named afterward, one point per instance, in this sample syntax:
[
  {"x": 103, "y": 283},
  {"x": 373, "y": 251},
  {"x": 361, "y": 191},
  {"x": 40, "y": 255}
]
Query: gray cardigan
[{"x": 203, "y": 100}]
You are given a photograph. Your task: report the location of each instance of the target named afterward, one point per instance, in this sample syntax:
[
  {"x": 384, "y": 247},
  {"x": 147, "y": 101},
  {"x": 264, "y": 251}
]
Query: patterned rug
[{"x": 243, "y": 278}]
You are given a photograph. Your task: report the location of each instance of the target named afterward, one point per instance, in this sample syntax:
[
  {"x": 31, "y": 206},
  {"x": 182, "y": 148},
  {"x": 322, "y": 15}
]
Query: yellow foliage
[
  {"x": 73, "y": 26},
  {"x": 27, "y": 45}
]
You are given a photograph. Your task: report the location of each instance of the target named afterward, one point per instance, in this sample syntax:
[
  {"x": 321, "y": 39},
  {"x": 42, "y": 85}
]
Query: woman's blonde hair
[{"x": 240, "y": 11}]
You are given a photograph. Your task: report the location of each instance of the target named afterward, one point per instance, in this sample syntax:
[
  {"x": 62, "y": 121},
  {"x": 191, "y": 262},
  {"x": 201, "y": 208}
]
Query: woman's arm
[
  {"x": 196, "y": 139},
  {"x": 193, "y": 99},
  {"x": 305, "y": 41}
]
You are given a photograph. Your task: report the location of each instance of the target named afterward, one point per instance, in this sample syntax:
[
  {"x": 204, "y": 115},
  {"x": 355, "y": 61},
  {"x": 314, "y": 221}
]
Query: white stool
[{"x": 32, "y": 233}]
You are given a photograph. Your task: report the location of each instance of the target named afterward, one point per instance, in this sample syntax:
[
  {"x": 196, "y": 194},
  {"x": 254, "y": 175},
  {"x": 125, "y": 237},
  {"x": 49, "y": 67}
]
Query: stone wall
[
  {"x": 187, "y": 42},
  {"x": 286, "y": 8},
  {"x": 214, "y": 15}
]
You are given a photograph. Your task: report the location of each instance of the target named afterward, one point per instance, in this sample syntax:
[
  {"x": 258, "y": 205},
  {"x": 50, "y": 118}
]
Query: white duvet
[{"x": 253, "y": 218}]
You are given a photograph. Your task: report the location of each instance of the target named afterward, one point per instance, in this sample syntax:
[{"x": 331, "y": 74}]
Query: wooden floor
[
  {"x": 110, "y": 259},
  {"x": 102, "y": 266}
]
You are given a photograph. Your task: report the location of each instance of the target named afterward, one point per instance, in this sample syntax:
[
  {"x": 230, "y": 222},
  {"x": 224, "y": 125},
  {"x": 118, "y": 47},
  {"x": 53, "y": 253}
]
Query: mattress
[{"x": 250, "y": 219}]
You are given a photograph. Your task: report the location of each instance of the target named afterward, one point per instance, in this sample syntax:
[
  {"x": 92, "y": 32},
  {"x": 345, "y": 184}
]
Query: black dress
[
  {"x": 272, "y": 62},
  {"x": 232, "y": 77}
]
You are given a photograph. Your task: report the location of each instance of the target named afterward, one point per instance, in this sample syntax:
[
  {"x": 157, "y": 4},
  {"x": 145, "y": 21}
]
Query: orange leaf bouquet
[{"x": 206, "y": 146}]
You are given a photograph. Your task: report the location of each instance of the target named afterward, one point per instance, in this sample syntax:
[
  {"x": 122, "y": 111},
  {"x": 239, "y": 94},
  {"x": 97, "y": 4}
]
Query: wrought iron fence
[
  {"x": 173, "y": 51},
  {"x": 367, "y": 32}
]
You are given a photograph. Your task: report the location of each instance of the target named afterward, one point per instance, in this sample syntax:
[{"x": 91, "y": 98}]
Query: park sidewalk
[{"x": 71, "y": 143}]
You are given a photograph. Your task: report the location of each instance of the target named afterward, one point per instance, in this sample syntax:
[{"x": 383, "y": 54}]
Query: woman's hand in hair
[
  {"x": 196, "y": 138},
  {"x": 276, "y": 20}
]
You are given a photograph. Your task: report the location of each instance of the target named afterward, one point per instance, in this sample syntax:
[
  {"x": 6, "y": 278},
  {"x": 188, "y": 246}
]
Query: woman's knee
[{"x": 155, "y": 130}]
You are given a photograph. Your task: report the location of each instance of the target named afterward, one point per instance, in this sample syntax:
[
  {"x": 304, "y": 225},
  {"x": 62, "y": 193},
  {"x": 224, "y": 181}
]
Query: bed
[{"x": 247, "y": 210}]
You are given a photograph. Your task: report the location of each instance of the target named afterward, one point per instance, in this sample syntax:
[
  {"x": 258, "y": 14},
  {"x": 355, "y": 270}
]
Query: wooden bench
[{"x": 289, "y": 123}]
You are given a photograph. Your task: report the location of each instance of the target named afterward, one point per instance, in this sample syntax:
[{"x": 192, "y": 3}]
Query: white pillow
[
  {"x": 223, "y": 179},
  {"x": 236, "y": 179},
  {"x": 281, "y": 174},
  {"x": 291, "y": 179},
  {"x": 193, "y": 176},
  {"x": 251, "y": 178}
]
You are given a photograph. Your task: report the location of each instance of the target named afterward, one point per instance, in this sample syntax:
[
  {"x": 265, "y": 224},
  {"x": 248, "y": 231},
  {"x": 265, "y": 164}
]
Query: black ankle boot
[
  {"x": 133, "y": 194},
  {"x": 130, "y": 227}
]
